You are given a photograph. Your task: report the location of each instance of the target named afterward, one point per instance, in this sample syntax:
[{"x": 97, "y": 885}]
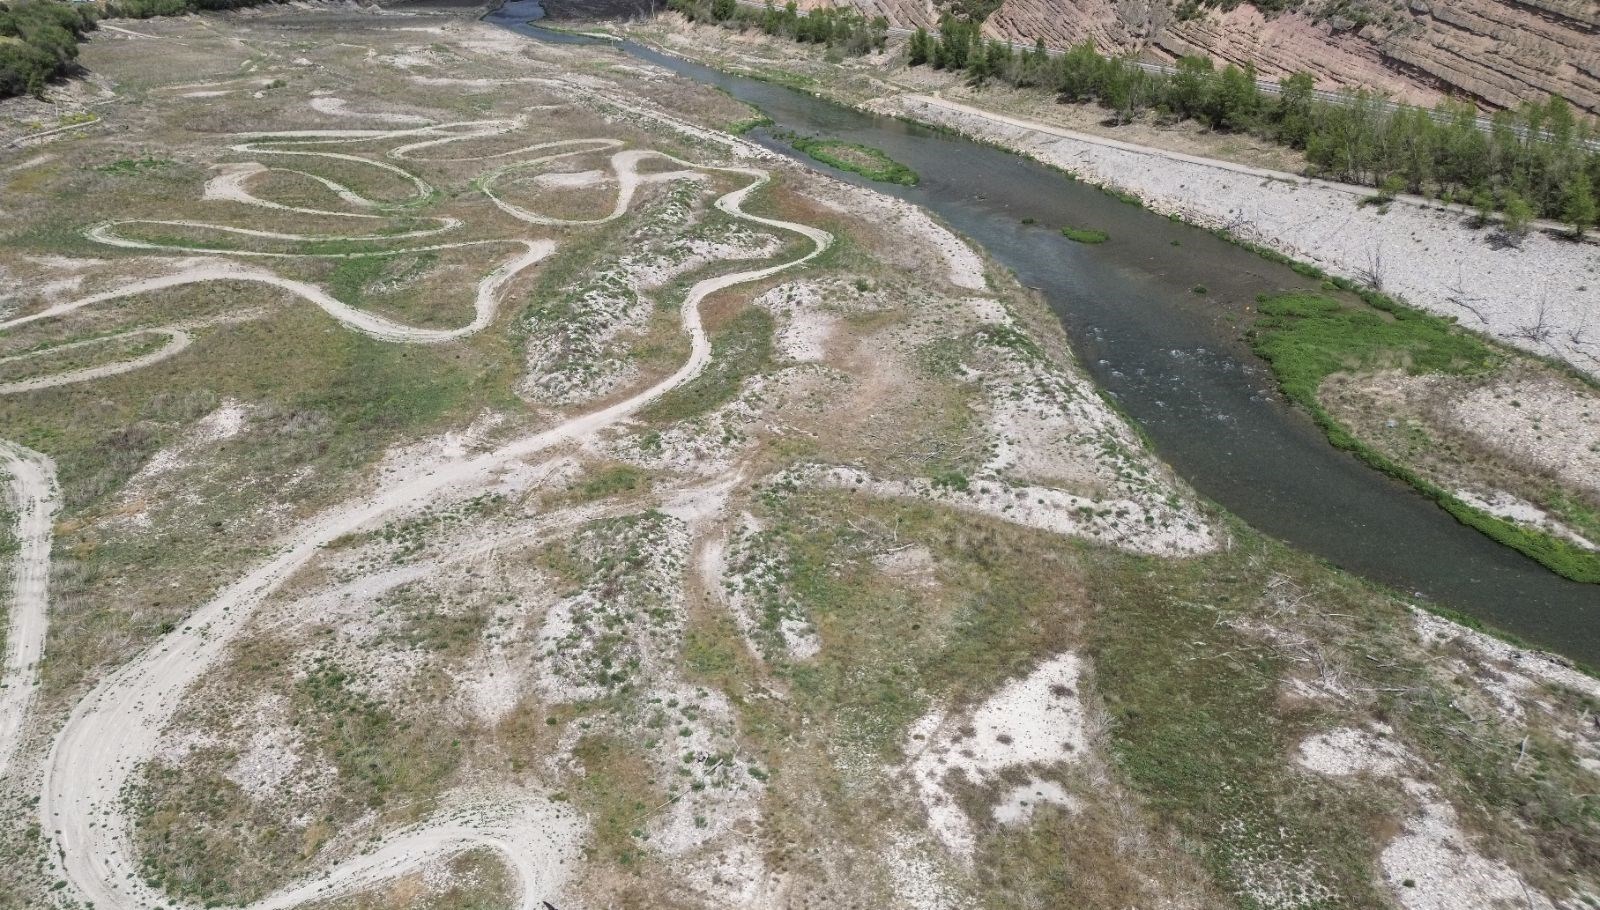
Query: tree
[
  {"x": 1127, "y": 89},
  {"x": 980, "y": 64},
  {"x": 1188, "y": 90},
  {"x": 1234, "y": 99},
  {"x": 956, "y": 40},
  {"x": 917, "y": 49},
  {"x": 1483, "y": 205},
  {"x": 723, "y": 10},
  {"x": 1291, "y": 117},
  {"x": 1077, "y": 73},
  {"x": 878, "y": 32},
  {"x": 1518, "y": 217},
  {"x": 1579, "y": 209}
]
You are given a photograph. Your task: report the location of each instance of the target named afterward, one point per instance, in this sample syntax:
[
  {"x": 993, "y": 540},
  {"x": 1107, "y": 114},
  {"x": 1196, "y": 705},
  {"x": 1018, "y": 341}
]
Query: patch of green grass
[
  {"x": 613, "y": 481},
  {"x": 740, "y": 127},
  {"x": 617, "y": 794},
  {"x": 129, "y": 166},
  {"x": 887, "y": 644},
  {"x": 1306, "y": 337},
  {"x": 1085, "y": 235},
  {"x": 1195, "y": 727},
  {"x": 353, "y": 278},
  {"x": 865, "y": 160},
  {"x": 743, "y": 348}
]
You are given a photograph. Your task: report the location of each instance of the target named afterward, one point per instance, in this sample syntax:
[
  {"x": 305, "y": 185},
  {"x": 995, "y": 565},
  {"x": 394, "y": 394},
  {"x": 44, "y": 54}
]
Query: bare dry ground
[{"x": 478, "y": 481}]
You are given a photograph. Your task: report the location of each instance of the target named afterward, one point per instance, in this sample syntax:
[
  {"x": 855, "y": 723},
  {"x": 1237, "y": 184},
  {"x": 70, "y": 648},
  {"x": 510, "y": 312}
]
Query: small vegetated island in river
[
  {"x": 1505, "y": 442},
  {"x": 1084, "y": 235},
  {"x": 865, "y": 160}
]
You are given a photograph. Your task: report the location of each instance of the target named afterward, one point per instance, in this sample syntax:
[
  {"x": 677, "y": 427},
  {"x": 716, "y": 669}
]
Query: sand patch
[
  {"x": 572, "y": 180},
  {"x": 1432, "y": 865},
  {"x": 1036, "y": 721},
  {"x": 1346, "y": 751}
]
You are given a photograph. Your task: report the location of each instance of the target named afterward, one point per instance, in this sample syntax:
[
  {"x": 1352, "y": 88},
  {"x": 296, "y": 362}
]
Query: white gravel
[
  {"x": 1432, "y": 865},
  {"x": 1347, "y": 751}
]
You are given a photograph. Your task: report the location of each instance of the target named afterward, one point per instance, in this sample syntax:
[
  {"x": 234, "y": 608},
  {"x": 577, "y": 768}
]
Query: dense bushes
[
  {"x": 149, "y": 9},
  {"x": 844, "y": 29},
  {"x": 1536, "y": 158},
  {"x": 39, "y": 40}
]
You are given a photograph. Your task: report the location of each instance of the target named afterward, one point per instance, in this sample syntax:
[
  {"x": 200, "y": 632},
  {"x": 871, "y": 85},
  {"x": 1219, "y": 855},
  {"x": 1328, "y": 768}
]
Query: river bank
[
  {"x": 1176, "y": 361},
  {"x": 1543, "y": 297}
]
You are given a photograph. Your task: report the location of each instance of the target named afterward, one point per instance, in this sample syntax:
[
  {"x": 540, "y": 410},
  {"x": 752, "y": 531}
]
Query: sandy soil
[
  {"x": 35, "y": 496},
  {"x": 1033, "y": 722}
]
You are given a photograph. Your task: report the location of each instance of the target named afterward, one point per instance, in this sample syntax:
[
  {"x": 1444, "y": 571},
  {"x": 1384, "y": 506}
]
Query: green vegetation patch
[
  {"x": 1196, "y": 726},
  {"x": 130, "y": 166},
  {"x": 1085, "y": 235},
  {"x": 742, "y": 349},
  {"x": 1307, "y": 337},
  {"x": 865, "y": 160},
  {"x": 740, "y": 127},
  {"x": 613, "y": 481}
]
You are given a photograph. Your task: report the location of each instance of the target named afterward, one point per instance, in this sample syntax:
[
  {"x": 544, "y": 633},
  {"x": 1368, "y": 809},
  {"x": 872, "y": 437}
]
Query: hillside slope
[{"x": 1494, "y": 52}]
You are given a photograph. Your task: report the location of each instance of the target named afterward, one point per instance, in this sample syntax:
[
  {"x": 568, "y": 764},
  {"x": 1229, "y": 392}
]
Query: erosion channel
[{"x": 1174, "y": 360}]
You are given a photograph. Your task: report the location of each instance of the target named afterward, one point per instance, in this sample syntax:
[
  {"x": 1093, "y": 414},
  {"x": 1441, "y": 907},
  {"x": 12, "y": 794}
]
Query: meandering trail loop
[{"x": 118, "y": 727}]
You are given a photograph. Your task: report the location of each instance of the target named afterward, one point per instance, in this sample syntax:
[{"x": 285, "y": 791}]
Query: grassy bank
[{"x": 1308, "y": 337}]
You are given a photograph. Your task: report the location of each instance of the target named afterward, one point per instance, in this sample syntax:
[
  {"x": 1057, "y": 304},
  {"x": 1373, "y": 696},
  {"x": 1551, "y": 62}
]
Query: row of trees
[
  {"x": 843, "y": 28},
  {"x": 1538, "y": 157},
  {"x": 39, "y": 38}
]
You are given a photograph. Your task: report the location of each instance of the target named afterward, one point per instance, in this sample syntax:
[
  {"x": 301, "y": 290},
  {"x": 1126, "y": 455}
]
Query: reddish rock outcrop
[{"x": 1495, "y": 53}]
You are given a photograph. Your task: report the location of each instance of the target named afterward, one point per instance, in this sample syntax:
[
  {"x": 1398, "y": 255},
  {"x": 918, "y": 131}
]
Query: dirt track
[
  {"x": 36, "y": 497},
  {"x": 119, "y": 725}
]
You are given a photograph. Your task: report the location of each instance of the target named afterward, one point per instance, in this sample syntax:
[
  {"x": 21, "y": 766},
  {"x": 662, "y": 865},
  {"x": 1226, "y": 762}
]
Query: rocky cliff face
[{"x": 1495, "y": 53}]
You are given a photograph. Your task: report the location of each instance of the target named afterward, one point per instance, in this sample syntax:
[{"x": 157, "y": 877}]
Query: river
[{"x": 1176, "y": 361}]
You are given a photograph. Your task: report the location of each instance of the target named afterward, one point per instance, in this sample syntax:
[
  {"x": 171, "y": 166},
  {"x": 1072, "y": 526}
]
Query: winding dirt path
[
  {"x": 118, "y": 727},
  {"x": 36, "y": 496},
  {"x": 177, "y": 340}
]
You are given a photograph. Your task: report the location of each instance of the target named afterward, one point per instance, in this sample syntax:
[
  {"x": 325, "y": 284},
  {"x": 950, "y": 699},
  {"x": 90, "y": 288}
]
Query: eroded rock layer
[{"x": 1496, "y": 53}]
